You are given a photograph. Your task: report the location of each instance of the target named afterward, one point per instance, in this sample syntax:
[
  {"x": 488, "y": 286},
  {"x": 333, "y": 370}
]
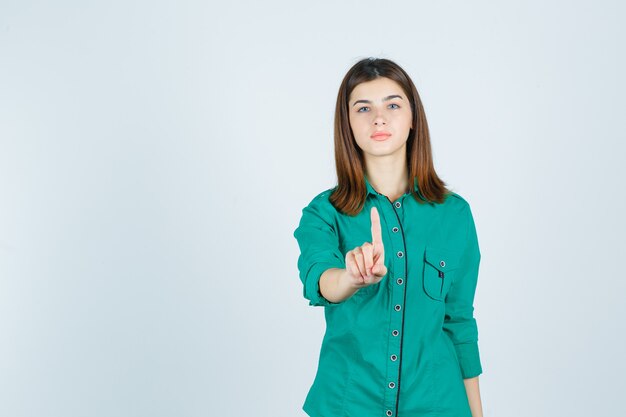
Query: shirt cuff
[
  {"x": 312, "y": 287},
  {"x": 469, "y": 359}
]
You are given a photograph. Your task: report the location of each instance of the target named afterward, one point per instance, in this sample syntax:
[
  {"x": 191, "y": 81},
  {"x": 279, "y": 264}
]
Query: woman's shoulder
[
  {"x": 456, "y": 203},
  {"x": 319, "y": 209},
  {"x": 322, "y": 198},
  {"x": 457, "y": 198},
  {"x": 324, "y": 195},
  {"x": 321, "y": 205}
]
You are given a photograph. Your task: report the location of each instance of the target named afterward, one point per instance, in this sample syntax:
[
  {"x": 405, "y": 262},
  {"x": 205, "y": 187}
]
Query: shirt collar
[{"x": 371, "y": 190}]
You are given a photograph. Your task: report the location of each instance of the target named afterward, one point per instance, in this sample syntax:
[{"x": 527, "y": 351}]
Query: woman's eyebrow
[{"x": 384, "y": 99}]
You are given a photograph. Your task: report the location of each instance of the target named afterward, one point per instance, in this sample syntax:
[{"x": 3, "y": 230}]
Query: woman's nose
[{"x": 379, "y": 120}]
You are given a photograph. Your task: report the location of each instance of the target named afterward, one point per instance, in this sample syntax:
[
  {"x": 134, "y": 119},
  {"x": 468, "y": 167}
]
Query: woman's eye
[
  {"x": 394, "y": 106},
  {"x": 361, "y": 109}
]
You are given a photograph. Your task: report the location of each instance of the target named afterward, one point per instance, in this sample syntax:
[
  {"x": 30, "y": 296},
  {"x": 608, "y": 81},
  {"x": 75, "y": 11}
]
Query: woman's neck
[{"x": 388, "y": 177}]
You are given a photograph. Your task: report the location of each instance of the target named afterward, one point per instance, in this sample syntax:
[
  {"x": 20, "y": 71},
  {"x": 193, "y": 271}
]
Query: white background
[{"x": 155, "y": 157}]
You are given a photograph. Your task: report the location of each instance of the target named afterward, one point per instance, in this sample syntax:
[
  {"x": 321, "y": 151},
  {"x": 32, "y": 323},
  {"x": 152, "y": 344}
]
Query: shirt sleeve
[
  {"x": 459, "y": 322},
  {"x": 319, "y": 249}
]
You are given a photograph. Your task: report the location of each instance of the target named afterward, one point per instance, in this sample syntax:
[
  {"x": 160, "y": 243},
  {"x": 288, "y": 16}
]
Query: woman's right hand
[{"x": 365, "y": 264}]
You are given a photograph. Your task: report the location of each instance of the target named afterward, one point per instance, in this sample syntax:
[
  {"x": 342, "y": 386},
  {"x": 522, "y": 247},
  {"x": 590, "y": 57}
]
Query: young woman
[{"x": 393, "y": 257}]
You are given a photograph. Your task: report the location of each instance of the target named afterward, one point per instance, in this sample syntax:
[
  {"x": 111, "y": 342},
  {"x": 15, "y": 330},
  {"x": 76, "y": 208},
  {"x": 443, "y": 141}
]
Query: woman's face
[{"x": 380, "y": 117}]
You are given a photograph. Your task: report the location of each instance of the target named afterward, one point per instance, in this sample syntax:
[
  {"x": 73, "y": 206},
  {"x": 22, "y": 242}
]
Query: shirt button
[
  {"x": 398, "y": 204},
  {"x": 398, "y": 307},
  {"x": 392, "y": 385},
  {"x": 395, "y": 230},
  {"x": 442, "y": 263},
  {"x": 399, "y": 281},
  {"x": 394, "y": 357},
  {"x": 400, "y": 254},
  {"x": 389, "y": 413},
  {"x": 395, "y": 332}
]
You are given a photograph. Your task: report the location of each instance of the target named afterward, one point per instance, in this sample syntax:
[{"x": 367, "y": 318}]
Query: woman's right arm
[
  {"x": 328, "y": 276},
  {"x": 334, "y": 285},
  {"x": 364, "y": 266}
]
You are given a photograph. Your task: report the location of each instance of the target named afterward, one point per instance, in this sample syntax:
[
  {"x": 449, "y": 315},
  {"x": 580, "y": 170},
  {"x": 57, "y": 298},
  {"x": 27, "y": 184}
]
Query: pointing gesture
[{"x": 365, "y": 264}]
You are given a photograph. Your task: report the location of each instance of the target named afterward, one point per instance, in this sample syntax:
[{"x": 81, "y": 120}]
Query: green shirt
[{"x": 400, "y": 347}]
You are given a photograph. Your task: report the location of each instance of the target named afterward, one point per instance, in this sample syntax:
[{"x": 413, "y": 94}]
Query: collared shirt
[{"x": 403, "y": 346}]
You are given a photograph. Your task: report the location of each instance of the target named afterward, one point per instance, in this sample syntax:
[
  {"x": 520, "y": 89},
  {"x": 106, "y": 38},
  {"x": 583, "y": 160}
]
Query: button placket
[{"x": 398, "y": 247}]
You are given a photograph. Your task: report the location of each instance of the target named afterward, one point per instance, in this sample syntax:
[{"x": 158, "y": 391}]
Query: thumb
[{"x": 379, "y": 269}]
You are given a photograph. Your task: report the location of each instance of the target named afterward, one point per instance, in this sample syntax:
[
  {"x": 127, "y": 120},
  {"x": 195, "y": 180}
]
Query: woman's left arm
[
  {"x": 459, "y": 322},
  {"x": 473, "y": 395}
]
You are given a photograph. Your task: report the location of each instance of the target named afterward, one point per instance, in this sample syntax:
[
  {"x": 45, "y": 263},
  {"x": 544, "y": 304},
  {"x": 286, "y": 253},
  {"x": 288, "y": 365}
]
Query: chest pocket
[{"x": 440, "y": 265}]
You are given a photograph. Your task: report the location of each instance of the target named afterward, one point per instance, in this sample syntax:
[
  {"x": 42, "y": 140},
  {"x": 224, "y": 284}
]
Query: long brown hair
[{"x": 350, "y": 193}]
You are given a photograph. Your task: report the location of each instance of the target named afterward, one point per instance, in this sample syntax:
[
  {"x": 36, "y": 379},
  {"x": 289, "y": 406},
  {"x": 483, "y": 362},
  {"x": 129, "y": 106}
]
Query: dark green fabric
[{"x": 399, "y": 348}]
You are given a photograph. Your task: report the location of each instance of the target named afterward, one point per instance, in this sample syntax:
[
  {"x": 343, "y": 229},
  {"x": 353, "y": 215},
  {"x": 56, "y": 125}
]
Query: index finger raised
[{"x": 377, "y": 237}]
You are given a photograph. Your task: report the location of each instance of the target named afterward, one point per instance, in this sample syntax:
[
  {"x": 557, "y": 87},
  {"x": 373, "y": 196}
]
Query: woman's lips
[{"x": 380, "y": 136}]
